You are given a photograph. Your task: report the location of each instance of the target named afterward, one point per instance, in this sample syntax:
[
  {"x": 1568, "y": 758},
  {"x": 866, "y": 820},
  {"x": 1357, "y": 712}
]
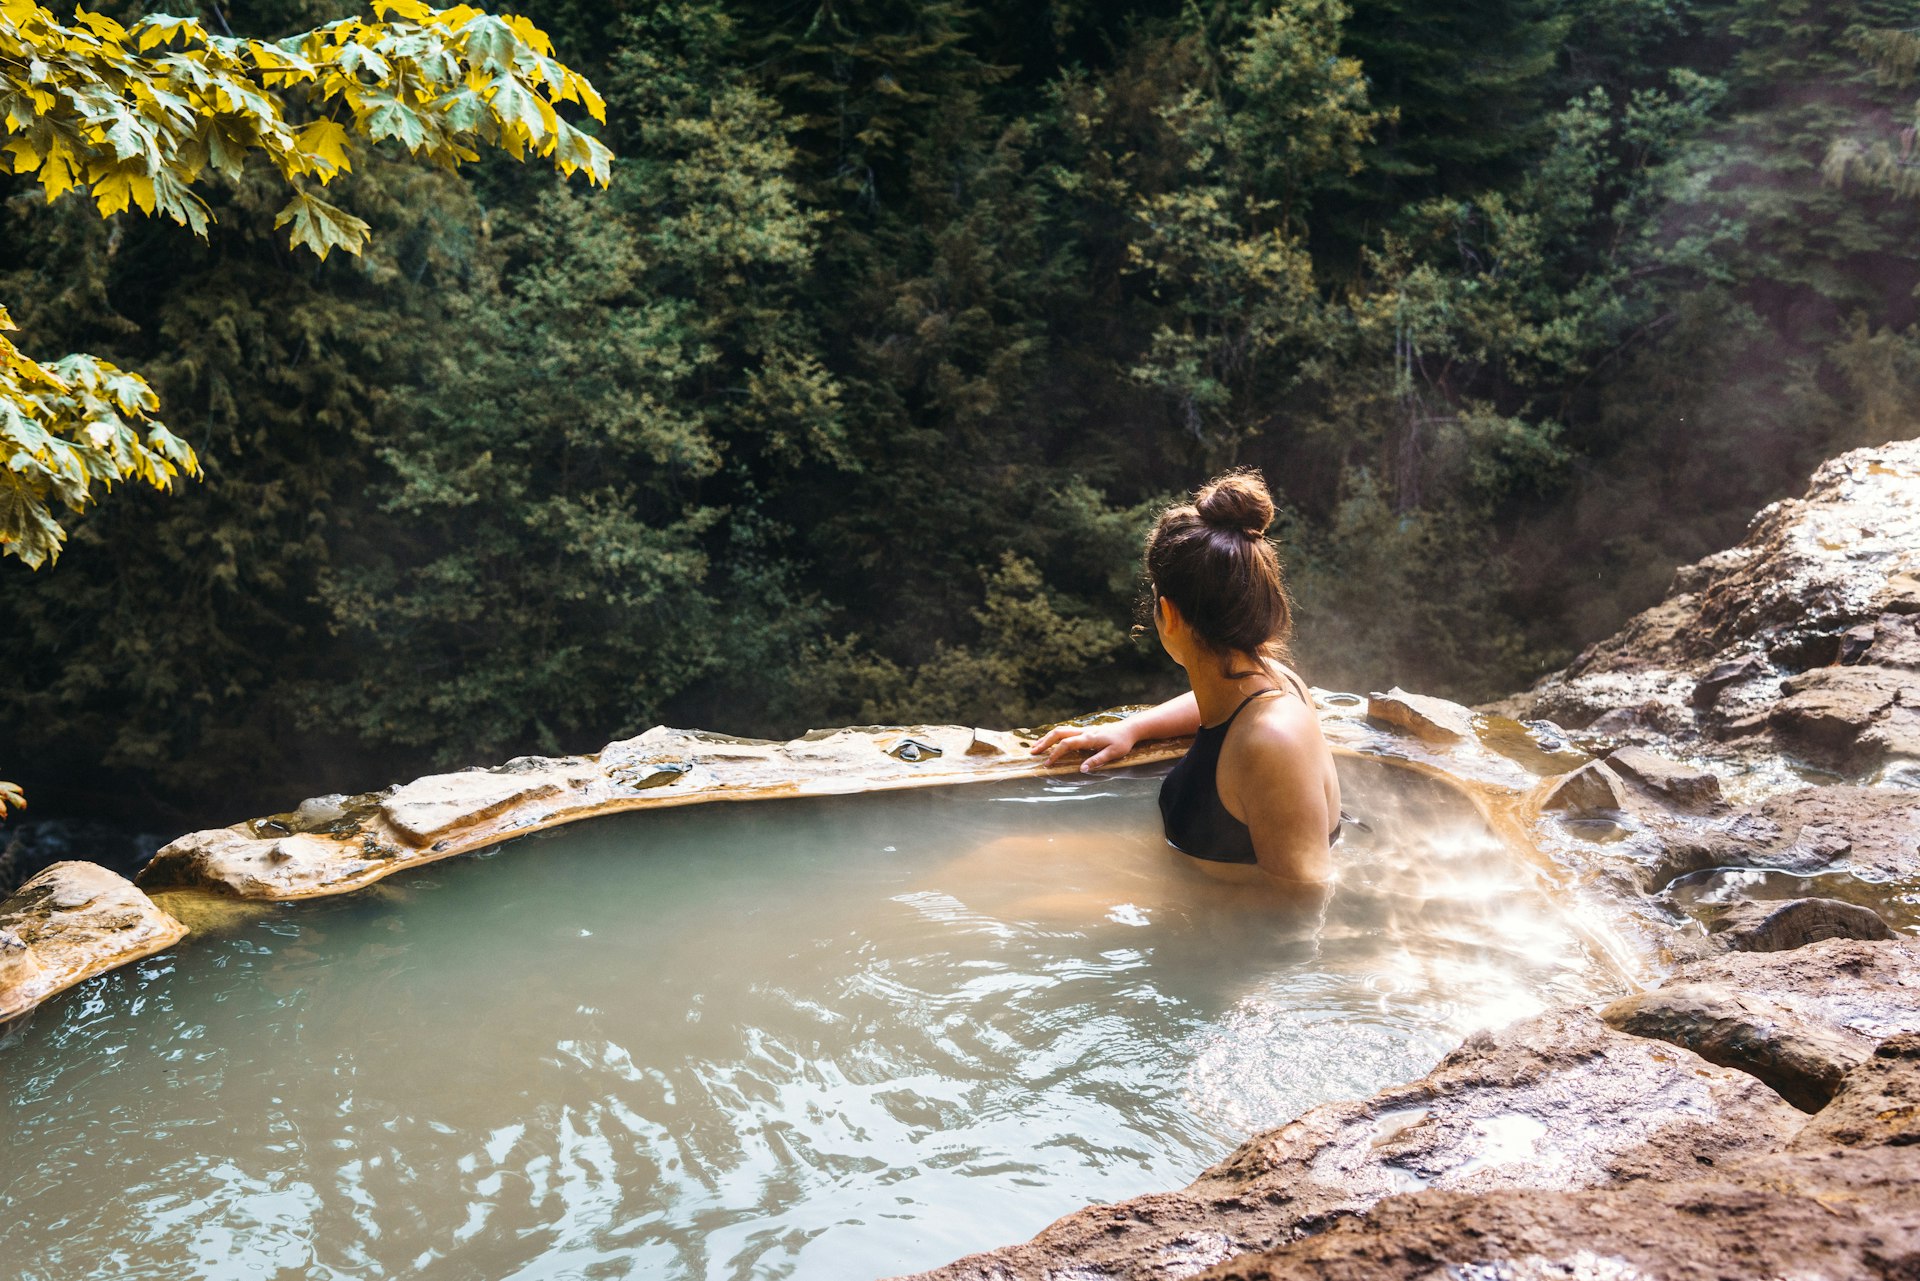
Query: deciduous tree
[{"x": 133, "y": 117}]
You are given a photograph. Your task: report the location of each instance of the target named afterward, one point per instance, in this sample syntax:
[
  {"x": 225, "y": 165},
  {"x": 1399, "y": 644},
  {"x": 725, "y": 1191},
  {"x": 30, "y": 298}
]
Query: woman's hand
[{"x": 1108, "y": 742}]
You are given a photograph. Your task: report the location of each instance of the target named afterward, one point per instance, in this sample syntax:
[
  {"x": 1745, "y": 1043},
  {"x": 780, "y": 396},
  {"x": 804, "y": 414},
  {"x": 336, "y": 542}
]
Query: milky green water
[{"x": 824, "y": 1039}]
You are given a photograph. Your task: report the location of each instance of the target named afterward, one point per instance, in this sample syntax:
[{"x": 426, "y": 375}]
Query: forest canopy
[{"x": 848, "y": 397}]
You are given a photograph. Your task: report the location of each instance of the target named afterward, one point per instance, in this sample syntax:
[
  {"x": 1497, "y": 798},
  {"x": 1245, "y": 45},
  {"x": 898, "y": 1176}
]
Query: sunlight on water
[{"x": 827, "y": 1039}]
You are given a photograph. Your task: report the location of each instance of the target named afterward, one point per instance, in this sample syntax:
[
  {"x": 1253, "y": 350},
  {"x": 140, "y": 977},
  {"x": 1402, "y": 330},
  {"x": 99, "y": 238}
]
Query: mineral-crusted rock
[
  {"x": 1557, "y": 1101},
  {"x": 232, "y": 860},
  {"x": 1708, "y": 664},
  {"x": 1852, "y": 1213},
  {"x": 72, "y": 921},
  {"x": 1687, "y": 786},
  {"x": 431, "y": 807},
  {"x": 336, "y": 844},
  {"x": 1780, "y": 926},
  {"x": 1434, "y": 719},
  {"x": 1798, "y": 1020}
]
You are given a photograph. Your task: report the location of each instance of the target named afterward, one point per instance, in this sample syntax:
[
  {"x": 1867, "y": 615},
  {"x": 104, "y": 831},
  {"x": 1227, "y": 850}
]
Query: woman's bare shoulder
[{"x": 1285, "y": 725}]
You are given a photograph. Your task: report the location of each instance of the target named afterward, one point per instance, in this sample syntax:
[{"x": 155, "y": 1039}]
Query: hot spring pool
[{"x": 823, "y": 1038}]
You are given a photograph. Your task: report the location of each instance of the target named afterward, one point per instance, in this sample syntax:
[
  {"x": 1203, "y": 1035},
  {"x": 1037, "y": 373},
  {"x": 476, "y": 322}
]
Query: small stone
[
  {"x": 1433, "y": 719},
  {"x": 1593, "y": 789}
]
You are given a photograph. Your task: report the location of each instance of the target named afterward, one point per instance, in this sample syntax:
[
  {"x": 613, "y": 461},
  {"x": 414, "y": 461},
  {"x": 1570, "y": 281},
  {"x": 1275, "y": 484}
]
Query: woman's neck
[{"x": 1218, "y": 695}]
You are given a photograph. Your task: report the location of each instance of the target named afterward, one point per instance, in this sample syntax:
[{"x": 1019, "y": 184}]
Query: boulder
[
  {"x": 1798, "y": 1020},
  {"x": 429, "y": 808},
  {"x": 1557, "y": 1101},
  {"x": 1433, "y": 719},
  {"x": 1707, "y": 665},
  {"x": 68, "y": 923},
  {"x": 231, "y": 860}
]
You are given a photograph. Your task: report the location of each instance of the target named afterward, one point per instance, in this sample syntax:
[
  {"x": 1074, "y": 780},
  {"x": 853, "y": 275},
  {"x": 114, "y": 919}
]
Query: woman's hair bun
[{"x": 1238, "y": 500}]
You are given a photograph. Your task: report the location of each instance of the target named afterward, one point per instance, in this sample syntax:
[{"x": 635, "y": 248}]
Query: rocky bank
[
  {"x": 1754, "y": 784},
  {"x": 1729, "y": 789}
]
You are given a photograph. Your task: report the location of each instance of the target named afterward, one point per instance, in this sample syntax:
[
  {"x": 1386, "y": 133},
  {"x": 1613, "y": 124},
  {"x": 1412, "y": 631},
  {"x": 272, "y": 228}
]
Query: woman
[{"x": 1258, "y": 786}]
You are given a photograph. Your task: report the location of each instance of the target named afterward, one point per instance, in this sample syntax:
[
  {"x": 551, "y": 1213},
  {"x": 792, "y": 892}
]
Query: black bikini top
[{"x": 1196, "y": 822}]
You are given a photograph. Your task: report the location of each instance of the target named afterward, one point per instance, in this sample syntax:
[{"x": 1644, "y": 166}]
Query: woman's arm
[{"x": 1175, "y": 718}]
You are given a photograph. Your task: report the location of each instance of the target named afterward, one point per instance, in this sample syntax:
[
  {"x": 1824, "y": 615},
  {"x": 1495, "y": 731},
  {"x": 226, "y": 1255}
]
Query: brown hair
[{"x": 1211, "y": 558}]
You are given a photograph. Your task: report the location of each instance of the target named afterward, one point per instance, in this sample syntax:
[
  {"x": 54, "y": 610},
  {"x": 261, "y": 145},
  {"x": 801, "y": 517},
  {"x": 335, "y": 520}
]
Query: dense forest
[{"x": 849, "y": 399}]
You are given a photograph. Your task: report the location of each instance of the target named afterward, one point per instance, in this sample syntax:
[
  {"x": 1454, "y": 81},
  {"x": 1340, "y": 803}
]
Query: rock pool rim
[{"x": 338, "y": 845}]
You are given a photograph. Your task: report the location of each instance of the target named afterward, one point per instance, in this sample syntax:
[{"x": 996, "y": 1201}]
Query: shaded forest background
[{"x": 850, "y": 400}]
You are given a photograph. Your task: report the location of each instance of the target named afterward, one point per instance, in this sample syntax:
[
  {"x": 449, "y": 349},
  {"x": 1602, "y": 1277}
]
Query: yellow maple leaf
[
  {"x": 324, "y": 147},
  {"x": 100, "y": 24},
  {"x": 121, "y": 187},
  {"x": 412, "y": 10}
]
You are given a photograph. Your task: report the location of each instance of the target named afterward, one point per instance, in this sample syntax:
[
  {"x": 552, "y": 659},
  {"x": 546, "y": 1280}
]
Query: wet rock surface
[
  {"x": 68, "y": 923},
  {"x": 1797, "y": 1020},
  {"x": 1783, "y": 926},
  {"x": 1841, "y": 1198},
  {"x": 1559, "y": 1101},
  {"x": 1878, "y": 1102},
  {"x": 1842, "y": 1214},
  {"x": 1802, "y": 638}
]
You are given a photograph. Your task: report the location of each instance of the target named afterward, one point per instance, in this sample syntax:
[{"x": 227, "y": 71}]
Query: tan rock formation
[
  {"x": 1434, "y": 719},
  {"x": 69, "y": 923}
]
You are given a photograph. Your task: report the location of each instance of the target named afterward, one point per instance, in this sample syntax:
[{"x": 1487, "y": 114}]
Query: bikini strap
[{"x": 1258, "y": 693}]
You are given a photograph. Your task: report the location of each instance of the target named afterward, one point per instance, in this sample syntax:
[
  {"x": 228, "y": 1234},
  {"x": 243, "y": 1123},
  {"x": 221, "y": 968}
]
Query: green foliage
[
  {"x": 1888, "y": 163},
  {"x": 65, "y": 425},
  {"x": 1030, "y": 665},
  {"x": 851, "y": 398},
  {"x": 1221, "y": 246},
  {"x": 550, "y": 557},
  {"x": 137, "y": 115}
]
